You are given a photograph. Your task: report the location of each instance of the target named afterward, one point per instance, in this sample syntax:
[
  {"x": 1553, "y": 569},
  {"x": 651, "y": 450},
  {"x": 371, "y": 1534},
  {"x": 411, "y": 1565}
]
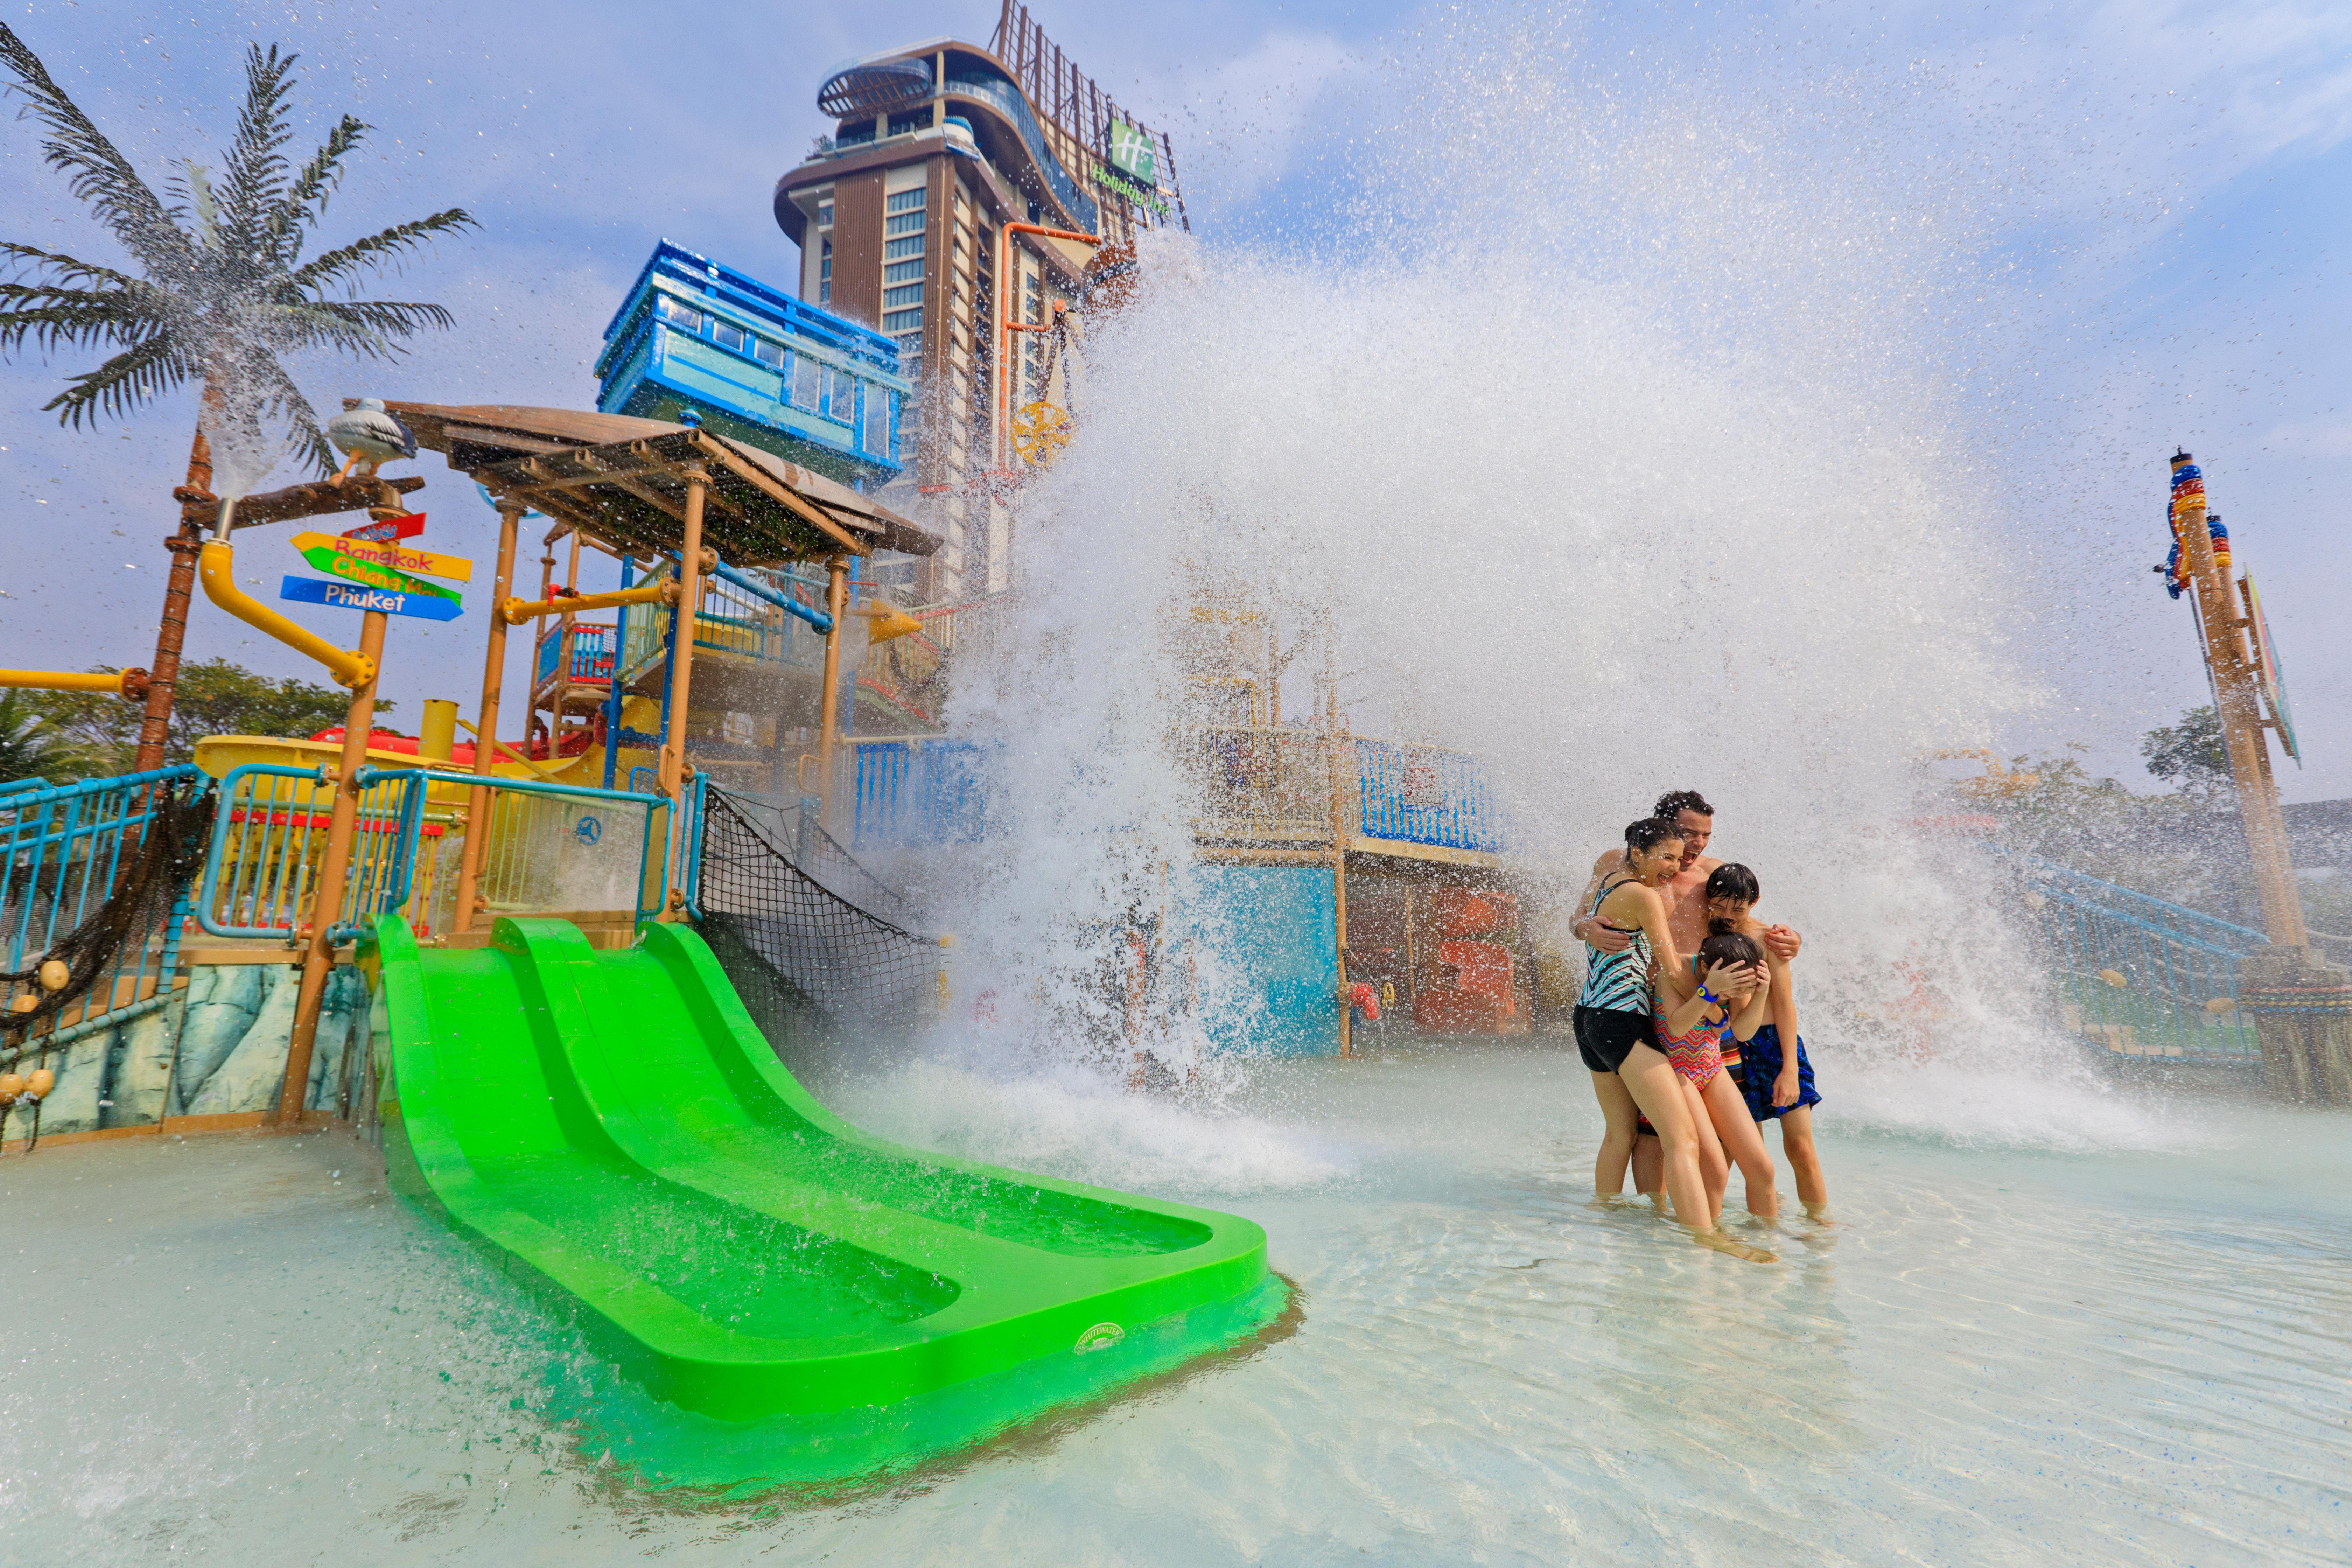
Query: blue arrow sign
[{"x": 354, "y": 596}]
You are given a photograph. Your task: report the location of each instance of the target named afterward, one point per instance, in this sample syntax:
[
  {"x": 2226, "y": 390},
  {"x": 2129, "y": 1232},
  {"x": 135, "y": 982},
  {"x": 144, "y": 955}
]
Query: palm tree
[{"x": 221, "y": 292}]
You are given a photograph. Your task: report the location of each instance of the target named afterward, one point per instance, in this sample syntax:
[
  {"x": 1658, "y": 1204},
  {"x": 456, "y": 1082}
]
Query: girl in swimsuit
[
  {"x": 1631, "y": 1076},
  {"x": 1705, "y": 1019},
  {"x": 1776, "y": 1081}
]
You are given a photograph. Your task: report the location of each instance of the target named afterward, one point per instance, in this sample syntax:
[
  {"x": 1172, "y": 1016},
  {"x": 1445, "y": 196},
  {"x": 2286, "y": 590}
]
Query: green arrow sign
[{"x": 334, "y": 563}]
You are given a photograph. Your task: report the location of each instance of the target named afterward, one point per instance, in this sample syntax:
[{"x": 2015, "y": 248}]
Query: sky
[{"x": 2162, "y": 186}]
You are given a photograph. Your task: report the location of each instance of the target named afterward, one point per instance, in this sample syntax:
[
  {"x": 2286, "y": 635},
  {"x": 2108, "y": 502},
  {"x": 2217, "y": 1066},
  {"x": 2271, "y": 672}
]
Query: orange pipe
[{"x": 1004, "y": 327}]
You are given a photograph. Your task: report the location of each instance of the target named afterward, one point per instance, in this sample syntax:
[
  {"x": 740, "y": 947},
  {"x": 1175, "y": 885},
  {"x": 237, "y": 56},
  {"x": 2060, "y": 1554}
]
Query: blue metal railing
[
  {"x": 61, "y": 849},
  {"x": 547, "y": 845},
  {"x": 269, "y": 839},
  {"x": 2138, "y": 974},
  {"x": 591, "y": 654},
  {"x": 913, "y": 793},
  {"x": 1425, "y": 794}
]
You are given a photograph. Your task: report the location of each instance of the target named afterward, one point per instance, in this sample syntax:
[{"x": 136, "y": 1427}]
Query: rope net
[
  {"x": 170, "y": 827},
  {"x": 803, "y": 958}
]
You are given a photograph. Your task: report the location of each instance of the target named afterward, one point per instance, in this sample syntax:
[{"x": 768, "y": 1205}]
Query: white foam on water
[{"x": 1082, "y": 1125}]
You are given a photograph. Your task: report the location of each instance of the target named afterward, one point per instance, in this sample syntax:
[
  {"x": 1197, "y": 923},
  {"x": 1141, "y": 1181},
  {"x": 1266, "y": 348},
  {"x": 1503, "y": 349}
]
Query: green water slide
[{"x": 616, "y": 1131}]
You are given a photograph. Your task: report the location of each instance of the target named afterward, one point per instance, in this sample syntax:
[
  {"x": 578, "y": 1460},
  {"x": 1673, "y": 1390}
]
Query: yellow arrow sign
[{"x": 391, "y": 556}]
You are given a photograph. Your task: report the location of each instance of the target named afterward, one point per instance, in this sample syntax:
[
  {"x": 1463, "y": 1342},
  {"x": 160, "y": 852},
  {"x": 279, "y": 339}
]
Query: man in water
[{"x": 1686, "y": 897}]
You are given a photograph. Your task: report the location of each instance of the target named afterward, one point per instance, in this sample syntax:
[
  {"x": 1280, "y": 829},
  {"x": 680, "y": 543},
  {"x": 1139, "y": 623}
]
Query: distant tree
[
  {"x": 92, "y": 735},
  {"x": 2189, "y": 755},
  {"x": 220, "y": 291},
  {"x": 28, "y": 748}
]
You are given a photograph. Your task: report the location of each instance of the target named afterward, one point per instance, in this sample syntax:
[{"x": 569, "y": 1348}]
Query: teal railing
[
  {"x": 63, "y": 851},
  {"x": 2139, "y": 975}
]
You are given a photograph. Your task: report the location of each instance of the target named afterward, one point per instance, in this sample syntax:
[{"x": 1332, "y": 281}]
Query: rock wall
[{"x": 218, "y": 1048}]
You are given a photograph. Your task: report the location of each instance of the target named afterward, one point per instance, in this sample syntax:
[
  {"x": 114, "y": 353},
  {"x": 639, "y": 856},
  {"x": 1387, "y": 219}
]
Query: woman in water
[
  {"x": 1724, "y": 989},
  {"x": 1631, "y": 1076},
  {"x": 1776, "y": 1083}
]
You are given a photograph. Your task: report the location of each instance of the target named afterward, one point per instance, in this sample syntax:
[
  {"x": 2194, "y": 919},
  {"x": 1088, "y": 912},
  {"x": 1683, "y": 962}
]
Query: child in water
[
  {"x": 1699, "y": 1013},
  {"x": 1776, "y": 1081}
]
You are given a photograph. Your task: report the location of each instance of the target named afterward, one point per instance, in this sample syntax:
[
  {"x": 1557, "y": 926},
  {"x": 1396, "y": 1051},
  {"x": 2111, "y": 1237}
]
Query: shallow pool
[{"x": 2127, "y": 1343}]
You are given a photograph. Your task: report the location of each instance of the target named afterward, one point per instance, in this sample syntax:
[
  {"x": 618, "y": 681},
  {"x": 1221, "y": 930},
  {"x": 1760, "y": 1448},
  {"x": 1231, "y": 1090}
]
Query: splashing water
[{"x": 1627, "y": 453}]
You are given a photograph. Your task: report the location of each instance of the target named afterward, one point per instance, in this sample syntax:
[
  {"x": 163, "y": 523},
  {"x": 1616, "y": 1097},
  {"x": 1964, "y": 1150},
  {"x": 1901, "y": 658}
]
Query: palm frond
[
  {"x": 136, "y": 376},
  {"x": 255, "y": 177},
  {"x": 195, "y": 184},
  {"x": 103, "y": 176},
  {"x": 306, "y": 200},
  {"x": 285, "y": 400},
  {"x": 385, "y": 319},
  {"x": 378, "y": 250},
  {"x": 315, "y": 324},
  {"x": 65, "y": 268},
  {"x": 56, "y": 318}
]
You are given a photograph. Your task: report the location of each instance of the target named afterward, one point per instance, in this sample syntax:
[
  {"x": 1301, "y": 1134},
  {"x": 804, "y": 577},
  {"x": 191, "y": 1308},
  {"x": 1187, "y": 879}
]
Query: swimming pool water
[{"x": 2131, "y": 1350}]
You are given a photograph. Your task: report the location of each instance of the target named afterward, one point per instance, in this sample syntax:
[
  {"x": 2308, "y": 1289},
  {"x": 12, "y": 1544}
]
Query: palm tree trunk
[{"x": 155, "y": 728}]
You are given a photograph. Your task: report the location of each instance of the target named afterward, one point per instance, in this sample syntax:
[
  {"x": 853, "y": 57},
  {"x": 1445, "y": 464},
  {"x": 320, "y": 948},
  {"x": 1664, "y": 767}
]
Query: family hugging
[{"x": 1689, "y": 1021}]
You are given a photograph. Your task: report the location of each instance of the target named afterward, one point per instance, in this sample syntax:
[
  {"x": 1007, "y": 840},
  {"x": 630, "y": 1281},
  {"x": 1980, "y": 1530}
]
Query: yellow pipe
[
  {"x": 216, "y": 569},
  {"x": 516, "y": 610},
  {"x": 64, "y": 680}
]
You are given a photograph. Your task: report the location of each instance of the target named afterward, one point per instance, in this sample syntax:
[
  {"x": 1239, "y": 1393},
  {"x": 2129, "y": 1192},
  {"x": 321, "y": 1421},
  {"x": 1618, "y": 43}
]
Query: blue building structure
[{"x": 757, "y": 366}]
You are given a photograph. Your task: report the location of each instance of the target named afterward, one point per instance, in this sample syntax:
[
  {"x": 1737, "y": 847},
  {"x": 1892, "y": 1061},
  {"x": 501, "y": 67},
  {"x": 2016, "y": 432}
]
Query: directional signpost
[{"x": 374, "y": 571}]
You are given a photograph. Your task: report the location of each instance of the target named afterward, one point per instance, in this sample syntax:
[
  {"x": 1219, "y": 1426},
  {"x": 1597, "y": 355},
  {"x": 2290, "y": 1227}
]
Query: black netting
[
  {"x": 171, "y": 842},
  {"x": 803, "y": 958}
]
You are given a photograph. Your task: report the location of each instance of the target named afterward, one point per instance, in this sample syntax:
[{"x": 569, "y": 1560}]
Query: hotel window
[
  {"x": 825, "y": 275},
  {"x": 840, "y": 396},
  {"x": 913, "y": 120},
  {"x": 896, "y": 322},
  {"x": 768, "y": 353},
  {"x": 805, "y": 383},
  {"x": 876, "y": 436},
  {"x": 824, "y": 214},
  {"x": 903, "y": 271},
  {"x": 911, "y": 294},
  {"x": 728, "y": 335},
  {"x": 892, "y": 249}
]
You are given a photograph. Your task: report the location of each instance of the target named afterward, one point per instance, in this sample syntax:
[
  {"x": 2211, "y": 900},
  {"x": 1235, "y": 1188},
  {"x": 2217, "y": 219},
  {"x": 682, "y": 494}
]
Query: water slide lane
[{"x": 615, "y": 1128}]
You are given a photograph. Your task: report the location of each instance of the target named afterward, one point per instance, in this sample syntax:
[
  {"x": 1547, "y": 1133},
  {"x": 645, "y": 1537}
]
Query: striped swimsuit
[{"x": 1617, "y": 982}]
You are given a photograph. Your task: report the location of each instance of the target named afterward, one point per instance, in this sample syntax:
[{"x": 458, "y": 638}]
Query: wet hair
[
  {"x": 1674, "y": 803},
  {"x": 1731, "y": 947},
  {"x": 1649, "y": 833},
  {"x": 1732, "y": 880}
]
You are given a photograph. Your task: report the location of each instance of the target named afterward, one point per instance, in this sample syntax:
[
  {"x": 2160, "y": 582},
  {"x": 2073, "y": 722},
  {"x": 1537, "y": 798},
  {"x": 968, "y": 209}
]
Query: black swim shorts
[{"x": 1604, "y": 1039}]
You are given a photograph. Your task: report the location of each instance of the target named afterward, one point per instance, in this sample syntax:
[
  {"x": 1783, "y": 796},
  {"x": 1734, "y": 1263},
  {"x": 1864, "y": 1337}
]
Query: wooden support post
[
  {"x": 681, "y": 677},
  {"x": 486, "y": 728},
  {"x": 1338, "y": 840},
  {"x": 327, "y": 893},
  {"x": 828, "y": 734},
  {"x": 2241, "y": 732},
  {"x": 563, "y": 635}
]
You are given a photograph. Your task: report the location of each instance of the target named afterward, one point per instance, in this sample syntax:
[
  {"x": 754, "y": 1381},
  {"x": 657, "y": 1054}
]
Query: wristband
[{"x": 1709, "y": 997}]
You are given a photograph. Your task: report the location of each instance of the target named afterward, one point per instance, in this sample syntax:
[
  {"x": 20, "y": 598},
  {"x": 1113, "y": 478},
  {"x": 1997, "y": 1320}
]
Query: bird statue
[{"x": 370, "y": 435}]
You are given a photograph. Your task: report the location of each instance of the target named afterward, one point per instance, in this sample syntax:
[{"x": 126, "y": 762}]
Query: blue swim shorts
[{"x": 1760, "y": 1064}]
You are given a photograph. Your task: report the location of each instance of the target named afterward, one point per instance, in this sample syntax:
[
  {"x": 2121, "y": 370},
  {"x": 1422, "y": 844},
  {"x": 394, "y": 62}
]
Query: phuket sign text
[{"x": 433, "y": 606}]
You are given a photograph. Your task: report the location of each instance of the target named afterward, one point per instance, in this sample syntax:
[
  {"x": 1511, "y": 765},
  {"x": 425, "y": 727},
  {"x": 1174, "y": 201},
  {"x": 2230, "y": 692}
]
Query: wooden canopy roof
[{"x": 623, "y": 480}]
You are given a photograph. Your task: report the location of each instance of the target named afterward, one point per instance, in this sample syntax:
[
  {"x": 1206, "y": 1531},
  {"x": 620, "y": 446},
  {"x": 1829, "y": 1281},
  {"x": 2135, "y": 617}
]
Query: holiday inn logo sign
[{"x": 1134, "y": 168}]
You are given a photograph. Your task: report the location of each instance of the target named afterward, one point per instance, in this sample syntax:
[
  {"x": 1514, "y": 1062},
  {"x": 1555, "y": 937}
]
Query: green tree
[
  {"x": 2189, "y": 755},
  {"x": 94, "y": 734},
  {"x": 220, "y": 291},
  {"x": 27, "y": 749}
]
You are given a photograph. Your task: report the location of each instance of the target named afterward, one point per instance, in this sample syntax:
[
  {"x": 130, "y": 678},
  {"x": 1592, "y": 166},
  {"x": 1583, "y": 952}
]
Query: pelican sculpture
[{"x": 370, "y": 435}]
